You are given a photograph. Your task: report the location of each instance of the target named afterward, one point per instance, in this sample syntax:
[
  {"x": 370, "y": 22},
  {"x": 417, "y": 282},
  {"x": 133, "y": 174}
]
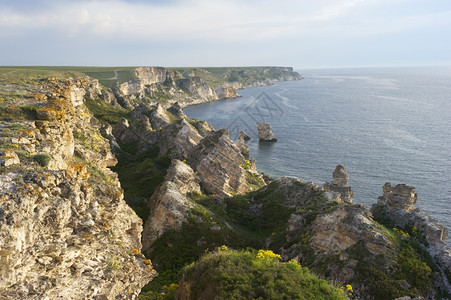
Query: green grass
[
  {"x": 103, "y": 74},
  {"x": 43, "y": 159},
  {"x": 105, "y": 112}
]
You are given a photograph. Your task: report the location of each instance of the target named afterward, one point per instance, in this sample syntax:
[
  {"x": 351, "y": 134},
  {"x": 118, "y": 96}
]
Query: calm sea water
[{"x": 385, "y": 124}]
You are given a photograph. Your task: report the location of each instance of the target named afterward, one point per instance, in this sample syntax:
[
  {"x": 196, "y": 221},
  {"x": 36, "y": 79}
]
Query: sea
[{"x": 382, "y": 124}]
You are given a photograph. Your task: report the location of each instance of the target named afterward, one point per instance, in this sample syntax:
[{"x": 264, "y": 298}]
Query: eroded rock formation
[
  {"x": 219, "y": 164},
  {"x": 244, "y": 149},
  {"x": 396, "y": 206},
  {"x": 265, "y": 133},
  {"x": 339, "y": 184},
  {"x": 169, "y": 205}
]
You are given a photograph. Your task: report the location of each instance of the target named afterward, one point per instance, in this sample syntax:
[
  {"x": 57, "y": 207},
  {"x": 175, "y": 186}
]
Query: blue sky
[{"x": 298, "y": 33}]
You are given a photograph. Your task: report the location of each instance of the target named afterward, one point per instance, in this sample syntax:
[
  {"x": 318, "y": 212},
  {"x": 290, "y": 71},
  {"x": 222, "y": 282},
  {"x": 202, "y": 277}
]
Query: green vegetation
[
  {"x": 229, "y": 274},
  {"x": 245, "y": 75},
  {"x": 413, "y": 265},
  {"x": 43, "y": 159},
  {"x": 105, "y": 75},
  {"x": 114, "y": 263},
  {"x": 105, "y": 112},
  {"x": 140, "y": 175},
  {"x": 245, "y": 221}
]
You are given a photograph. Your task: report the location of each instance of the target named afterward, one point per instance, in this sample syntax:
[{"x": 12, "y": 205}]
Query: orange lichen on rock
[
  {"x": 37, "y": 96},
  {"x": 76, "y": 170},
  {"x": 49, "y": 113}
]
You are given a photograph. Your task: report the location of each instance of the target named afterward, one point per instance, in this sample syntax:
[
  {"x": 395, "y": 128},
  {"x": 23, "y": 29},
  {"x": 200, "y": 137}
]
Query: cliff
[
  {"x": 190, "y": 86},
  {"x": 65, "y": 229}
]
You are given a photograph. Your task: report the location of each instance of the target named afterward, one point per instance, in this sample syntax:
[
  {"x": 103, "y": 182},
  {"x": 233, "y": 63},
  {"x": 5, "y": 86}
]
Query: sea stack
[
  {"x": 265, "y": 132},
  {"x": 339, "y": 184}
]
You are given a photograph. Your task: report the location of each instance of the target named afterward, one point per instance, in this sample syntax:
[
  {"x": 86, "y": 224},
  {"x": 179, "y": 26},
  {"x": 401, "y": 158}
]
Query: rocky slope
[
  {"x": 203, "y": 161},
  {"x": 322, "y": 230},
  {"x": 66, "y": 231}
]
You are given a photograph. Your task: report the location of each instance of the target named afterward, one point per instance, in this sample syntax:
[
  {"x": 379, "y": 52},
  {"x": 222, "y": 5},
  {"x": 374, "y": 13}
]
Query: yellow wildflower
[{"x": 263, "y": 254}]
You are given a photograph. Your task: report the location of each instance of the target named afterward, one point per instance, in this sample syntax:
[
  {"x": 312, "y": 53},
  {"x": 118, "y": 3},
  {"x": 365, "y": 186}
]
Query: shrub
[
  {"x": 243, "y": 275},
  {"x": 42, "y": 159}
]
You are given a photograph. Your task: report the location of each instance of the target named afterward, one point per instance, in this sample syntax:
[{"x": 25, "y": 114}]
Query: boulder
[
  {"x": 265, "y": 133},
  {"x": 8, "y": 158}
]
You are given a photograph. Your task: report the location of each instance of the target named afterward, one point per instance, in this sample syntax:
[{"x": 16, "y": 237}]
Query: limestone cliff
[
  {"x": 65, "y": 230},
  {"x": 190, "y": 86}
]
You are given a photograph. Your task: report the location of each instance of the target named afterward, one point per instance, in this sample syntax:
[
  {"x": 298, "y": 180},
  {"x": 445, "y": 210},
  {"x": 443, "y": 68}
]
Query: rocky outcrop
[
  {"x": 160, "y": 117},
  {"x": 169, "y": 205},
  {"x": 226, "y": 92},
  {"x": 151, "y": 75},
  {"x": 339, "y": 184},
  {"x": 176, "y": 110},
  {"x": 396, "y": 206},
  {"x": 218, "y": 162},
  {"x": 199, "y": 88},
  {"x": 339, "y": 240},
  {"x": 245, "y": 136},
  {"x": 139, "y": 132},
  {"x": 244, "y": 149},
  {"x": 146, "y": 82},
  {"x": 178, "y": 139},
  {"x": 65, "y": 230},
  {"x": 400, "y": 196},
  {"x": 265, "y": 133}
]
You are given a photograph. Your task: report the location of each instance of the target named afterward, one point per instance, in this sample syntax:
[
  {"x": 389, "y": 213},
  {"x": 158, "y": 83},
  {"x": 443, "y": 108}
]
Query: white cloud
[{"x": 185, "y": 20}]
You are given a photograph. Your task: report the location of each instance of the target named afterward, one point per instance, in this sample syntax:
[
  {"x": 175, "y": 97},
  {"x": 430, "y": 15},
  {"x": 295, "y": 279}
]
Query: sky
[{"x": 173, "y": 33}]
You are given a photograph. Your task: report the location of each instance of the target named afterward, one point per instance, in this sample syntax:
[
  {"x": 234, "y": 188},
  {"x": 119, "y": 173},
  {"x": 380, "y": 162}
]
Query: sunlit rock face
[{"x": 65, "y": 230}]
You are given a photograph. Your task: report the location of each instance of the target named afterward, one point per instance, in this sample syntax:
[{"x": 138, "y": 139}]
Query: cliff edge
[{"x": 65, "y": 229}]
